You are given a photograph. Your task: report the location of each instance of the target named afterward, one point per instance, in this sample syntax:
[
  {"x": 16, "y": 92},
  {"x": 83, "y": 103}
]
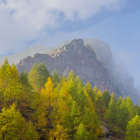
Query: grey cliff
[{"x": 73, "y": 56}]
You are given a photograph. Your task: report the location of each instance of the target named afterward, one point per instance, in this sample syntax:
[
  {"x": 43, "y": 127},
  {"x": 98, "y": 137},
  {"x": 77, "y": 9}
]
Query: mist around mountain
[{"x": 121, "y": 81}]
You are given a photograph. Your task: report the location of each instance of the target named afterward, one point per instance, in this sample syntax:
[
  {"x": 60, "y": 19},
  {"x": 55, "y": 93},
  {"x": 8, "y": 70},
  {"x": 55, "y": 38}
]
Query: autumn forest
[{"x": 43, "y": 106}]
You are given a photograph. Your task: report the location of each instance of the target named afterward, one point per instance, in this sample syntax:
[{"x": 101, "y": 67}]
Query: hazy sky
[{"x": 49, "y": 22}]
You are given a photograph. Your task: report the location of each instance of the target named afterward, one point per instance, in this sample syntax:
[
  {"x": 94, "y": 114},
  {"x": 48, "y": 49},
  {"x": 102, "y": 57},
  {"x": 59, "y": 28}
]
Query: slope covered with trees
[{"x": 40, "y": 106}]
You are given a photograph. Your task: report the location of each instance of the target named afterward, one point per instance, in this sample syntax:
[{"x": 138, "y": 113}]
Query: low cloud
[
  {"x": 126, "y": 59},
  {"x": 23, "y": 21}
]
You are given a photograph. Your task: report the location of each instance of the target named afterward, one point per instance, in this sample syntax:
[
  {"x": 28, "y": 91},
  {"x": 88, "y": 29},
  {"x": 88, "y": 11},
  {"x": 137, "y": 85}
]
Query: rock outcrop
[{"x": 73, "y": 56}]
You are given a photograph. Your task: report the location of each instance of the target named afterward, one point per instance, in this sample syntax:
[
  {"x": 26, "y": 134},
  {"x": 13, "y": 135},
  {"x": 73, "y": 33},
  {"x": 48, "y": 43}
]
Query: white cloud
[{"x": 23, "y": 20}]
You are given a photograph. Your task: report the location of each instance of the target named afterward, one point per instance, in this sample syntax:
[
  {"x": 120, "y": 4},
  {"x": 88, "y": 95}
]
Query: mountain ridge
[
  {"x": 117, "y": 80},
  {"x": 73, "y": 56}
]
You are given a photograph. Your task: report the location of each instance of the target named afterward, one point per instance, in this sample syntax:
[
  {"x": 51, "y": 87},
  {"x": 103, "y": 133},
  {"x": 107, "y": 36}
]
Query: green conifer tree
[
  {"x": 81, "y": 97},
  {"x": 133, "y": 129},
  {"x": 14, "y": 127},
  {"x": 95, "y": 90},
  {"x": 38, "y": 75},
  {"x": 30, "y": 133},
  {"x": 72, "y": 88},
  {"x": 120, "y": 101},
  {"x": 27, "y": 94},
  {"x": 111, "y": 114},
  {"x": 78, "y": 80},
  {"x": 123, "y": 114},
  {"x": 131, "y": 109},
  {"x": 55, "y": 78},
  {"x": 71, "y": 76},
  {"x": 90, "y": 121},
  {"x": 137, "y": 108},
  {"x": 73, "y": 119},
  {"x": 43, "y": 74},
  {"x": 81, "y": 133},
  {"x": 9, "y": 83},
  {"x": 100, "y": 107},
  {"x": 106, "y": 98},
  {"x": 33, "y": 75},
  {"x": 90, "y": 91}
]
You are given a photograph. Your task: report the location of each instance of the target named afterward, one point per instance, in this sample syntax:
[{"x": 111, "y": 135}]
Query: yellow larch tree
[
  {"x": 48, "y": 93},
  {"x": 10, "y": 88},
  {"x": 90, "y": 118},
  {"x": 58, "y": 133},
  {"x": 100, "y": 108}
]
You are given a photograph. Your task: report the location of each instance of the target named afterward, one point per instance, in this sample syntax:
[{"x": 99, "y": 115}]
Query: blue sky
[{"x": 49, "y": 22}]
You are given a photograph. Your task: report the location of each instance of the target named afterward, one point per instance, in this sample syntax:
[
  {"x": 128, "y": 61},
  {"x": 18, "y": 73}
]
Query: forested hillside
[{"x": 41, "y": 106}]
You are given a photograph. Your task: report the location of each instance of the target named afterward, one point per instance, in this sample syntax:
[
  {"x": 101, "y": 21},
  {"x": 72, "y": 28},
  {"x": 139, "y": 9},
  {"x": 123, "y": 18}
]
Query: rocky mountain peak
[
  {"x": 77, "y": 42},
  {"x": 72, "y": 49},
  {"x": 73, "y": 56}
]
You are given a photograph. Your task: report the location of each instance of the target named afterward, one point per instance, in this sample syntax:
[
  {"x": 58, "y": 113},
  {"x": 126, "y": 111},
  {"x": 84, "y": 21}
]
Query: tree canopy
[{"x": 39, "y": 106}]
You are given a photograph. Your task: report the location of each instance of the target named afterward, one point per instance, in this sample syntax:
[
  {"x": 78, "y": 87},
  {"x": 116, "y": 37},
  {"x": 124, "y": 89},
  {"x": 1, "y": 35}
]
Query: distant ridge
[{"x": 28, "y": 52}]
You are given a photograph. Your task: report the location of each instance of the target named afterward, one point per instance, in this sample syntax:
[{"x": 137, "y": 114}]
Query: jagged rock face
[{"x": 73, "y": 56}]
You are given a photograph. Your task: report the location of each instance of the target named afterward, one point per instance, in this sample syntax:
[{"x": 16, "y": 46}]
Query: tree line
[{"x": 41, "y": 106}]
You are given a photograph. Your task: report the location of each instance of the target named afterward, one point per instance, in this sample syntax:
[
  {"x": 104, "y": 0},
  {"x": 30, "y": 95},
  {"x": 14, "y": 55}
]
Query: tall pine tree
[{"x": 111, "y": 114}]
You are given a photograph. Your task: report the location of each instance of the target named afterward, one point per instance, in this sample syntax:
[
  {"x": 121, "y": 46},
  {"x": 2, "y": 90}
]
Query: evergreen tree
[
  {"x": 81, "y": 97},
  {"x": 71, "y": 76},
  {"x": 123, "y": 115},
  {"x": 48, "y": 92},
  {"x": 91, "y": 116},
  {"x": 43, "y": 74},
  {"x": 120, "y": 101},
  {"x": 100, "y": 108},
  {"x": 81, "y": 133},
  {"x": 90, "y": 121},
  {"x": 95, "y": 90},
  {"x": 72, "y": 88},
  {"x": 137, "y": 108},
  {"x": 90, "y": 92},
  {"x": 38, "y": 75},
  {"x": 27, "y": 94},
  {"x": 111, "y": 114},
  {"x": 13, "y": 126},
  {"x": 24, "y": 79},
  {"x": 61, "y": 108},
  {"x": 9, "y": 83},
  {"x": 55, "y": 78},
  {"x": 106, "y": 98},
  {"x": 78, "y": 80},
  {"x": 133, "y": 129},
  {"x": 131, "y": 109},
  {"x": 73, "y": 119},
  {"x": 58, "y": 133},
  {"x": 40, "y": 112},
  {"x": 31, "y": 134},
  {"x": 33, "y": 75},
  {"x": 62, "y": 80}
]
